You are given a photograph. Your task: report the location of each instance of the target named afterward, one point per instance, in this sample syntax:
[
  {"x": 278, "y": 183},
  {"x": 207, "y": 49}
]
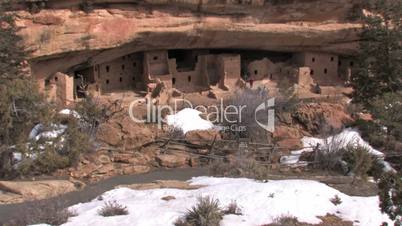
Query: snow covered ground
[
  {"x": 187, "y": 120},
  {"x": 260, "y": 203}
]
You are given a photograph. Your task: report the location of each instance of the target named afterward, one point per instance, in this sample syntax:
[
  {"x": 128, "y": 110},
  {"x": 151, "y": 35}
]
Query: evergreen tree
[
  {"x": 390, "y": 186},
  {"x": 20, "y": 103},
  {"x": 380, "y": 61}
]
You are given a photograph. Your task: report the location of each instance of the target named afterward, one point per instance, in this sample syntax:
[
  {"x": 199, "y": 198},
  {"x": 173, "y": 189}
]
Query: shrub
[
  {"x": 86, "y": 6},
  {"x": 52, "y": 212},
  {"x": 329, "y": 156},
  {"x": 232, "y": 208},
  {"x": 205, "y": 213},
  {"x": 112, "y": 209},
  {"x": 336, "y": 200},
  {"x": 390, "y": 193},
  {"x": 285, "y": 221},
  {"x": 359, "y": 160},
  {"x": 248, "y": 101},
  {"x": 239, "y": 168},
  {"x": 48, "y": 155}
]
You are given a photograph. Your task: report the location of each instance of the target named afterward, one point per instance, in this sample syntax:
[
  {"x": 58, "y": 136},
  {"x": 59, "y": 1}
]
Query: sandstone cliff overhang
[{"x": 116, "y": 29}]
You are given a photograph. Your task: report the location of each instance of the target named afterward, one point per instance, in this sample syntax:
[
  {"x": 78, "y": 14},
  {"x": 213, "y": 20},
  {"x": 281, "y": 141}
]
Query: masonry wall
[
  {"x": 324, "y": 67},
  {"x": 260, "y": 69},
  {"x": 60, "y": 88},
  {"x": 229, "y": 68},
  {"x": 213, "y": 69},
  {"x": 190, "y": 80},
  {"x": 346, "y": 65}
]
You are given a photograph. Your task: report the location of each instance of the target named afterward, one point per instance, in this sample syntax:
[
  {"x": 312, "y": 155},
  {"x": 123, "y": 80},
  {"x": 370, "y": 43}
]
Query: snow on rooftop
[
  {"x": 187, "y": 120},
  {"x": 260, "y": 203}
]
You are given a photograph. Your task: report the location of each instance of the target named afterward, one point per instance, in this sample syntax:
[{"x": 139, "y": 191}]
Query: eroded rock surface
[{"x": 20, "y": 191}]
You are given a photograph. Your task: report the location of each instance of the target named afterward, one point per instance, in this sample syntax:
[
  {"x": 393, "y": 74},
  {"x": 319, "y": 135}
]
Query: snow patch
[
  {"x": 348, "y": 136},
  {"x": 188, "y": 120},
  {"x": 260, "y": 203},
  {"x": 70, "y": 112}
]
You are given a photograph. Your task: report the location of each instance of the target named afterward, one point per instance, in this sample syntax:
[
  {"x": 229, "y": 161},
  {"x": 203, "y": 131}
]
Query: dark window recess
[
  {"x": 107, "y": 68},
  {"x": 107, "y": 81},
  {"x": 339, "y": 63},
  {"x": 255, "y": 72},
  {"x": 97, "y": 88},
  {"x": 189, "y": 78},
  {"x": 311, "y": 72},
  {"x": 325, "y": 71},
  {"x": 155, "y": 57},
  {"x": 352, "y": 63},
  {"x": 120, "y": 79},
  {"x": 313, "y": 59},
  {"x": 47, "y": 82},
  {"x": 134, "y": 64},
  {"x": 332, "y": 58},
  {"x": 123, "y": 67},
  {"x": 173, "y": 81},
  {"x": 133, "y": 78},
  {"x": 270, "y": 76},
  {"x": 124, "y": 57},
  {"x": 56, "y": 78}
]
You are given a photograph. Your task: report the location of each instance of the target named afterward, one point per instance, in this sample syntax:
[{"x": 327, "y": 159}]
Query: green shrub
[
  {"x": 112, "y": 209},
  {"x": 359, "y": 160},
  {"x": 47, "y": 155},
  {"x": 390, "y": 193},
  {"x": 205, "y": 213}
]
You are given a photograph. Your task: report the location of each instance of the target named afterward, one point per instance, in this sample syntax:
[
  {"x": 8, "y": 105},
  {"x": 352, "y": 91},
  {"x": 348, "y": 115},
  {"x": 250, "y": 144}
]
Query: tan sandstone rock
[
  {"x": 17, "y": 191},
  {"x": 172, "y": 160}
]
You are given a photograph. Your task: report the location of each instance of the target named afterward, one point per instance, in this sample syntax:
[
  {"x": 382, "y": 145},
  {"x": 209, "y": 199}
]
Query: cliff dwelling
[
  {"x": 113, "y": 47},
  {"x": 197, "y": 70}
]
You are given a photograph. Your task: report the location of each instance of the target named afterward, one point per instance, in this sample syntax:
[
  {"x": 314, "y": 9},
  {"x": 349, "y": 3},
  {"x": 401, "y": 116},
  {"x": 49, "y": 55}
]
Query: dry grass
[
  {"x": 205, "y": 213},
  {"x": 232, "y": 208},
  {"x": 328, "y": 220},
  {"x": 52, "y": 212},
  {"x": 239, "y": 168},
  {"x": 112, "y": 208}
]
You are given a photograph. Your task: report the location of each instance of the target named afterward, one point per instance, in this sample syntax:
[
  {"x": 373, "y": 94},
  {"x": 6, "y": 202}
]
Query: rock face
[
  {"x": 106, "y": 33},
  {"x": 314, "y": 115},
  {"x": 19, "y": 191}
]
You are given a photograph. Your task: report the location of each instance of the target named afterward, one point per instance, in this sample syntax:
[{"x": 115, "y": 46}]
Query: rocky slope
[{"x": 66, "y": 36}]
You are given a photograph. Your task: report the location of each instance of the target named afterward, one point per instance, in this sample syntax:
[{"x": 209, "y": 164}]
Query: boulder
[
  {"x": 172, "y": 160},
  {"x": 17, "y": 191},
  {"x": 313, "y": 116},
  {"x": 130, "y": 169},
  {"x": 283, "y": 132},
  {"x": 203, "y": 136},
  {"x": 109, "y": 134}
]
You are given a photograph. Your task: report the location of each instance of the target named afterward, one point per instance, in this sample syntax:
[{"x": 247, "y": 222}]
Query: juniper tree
[
  {"x": 380, "y": 62},
  {"x": 20, "y": 102}
]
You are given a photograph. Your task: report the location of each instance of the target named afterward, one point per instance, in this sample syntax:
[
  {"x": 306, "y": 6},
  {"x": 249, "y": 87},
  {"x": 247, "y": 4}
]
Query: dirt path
[{"x": 8, "y": 212}]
